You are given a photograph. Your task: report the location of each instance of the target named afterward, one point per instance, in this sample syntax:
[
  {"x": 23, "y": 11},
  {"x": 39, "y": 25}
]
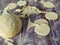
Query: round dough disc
[
  {"x": 48, "y": 4},
  {"x": 40, "y": 21},
  {"x": 42, "y": 29},
  {"x": 12, "y": 6},
  {"x": 51, "y": 15},
  {"x": 21, "y": 3}
]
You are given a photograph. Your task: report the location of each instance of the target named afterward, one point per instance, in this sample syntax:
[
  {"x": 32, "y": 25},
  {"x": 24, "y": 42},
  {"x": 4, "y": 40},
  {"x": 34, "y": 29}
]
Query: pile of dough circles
[
  {"x": 48, "y": 4},
  {"x": 21, "y": 3},
  {"x": 30, "y": 10},
  {"x": 51, "y": 15},
  {"x": 42, "y": 29},
  {"x": 10, "y": 25},
  {"x": 40, "y": 21},
  {"x": 12, "y": 6}
]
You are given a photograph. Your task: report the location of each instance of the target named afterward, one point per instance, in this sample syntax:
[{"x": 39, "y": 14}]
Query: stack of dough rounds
[{"x": 41, "y": 27}]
